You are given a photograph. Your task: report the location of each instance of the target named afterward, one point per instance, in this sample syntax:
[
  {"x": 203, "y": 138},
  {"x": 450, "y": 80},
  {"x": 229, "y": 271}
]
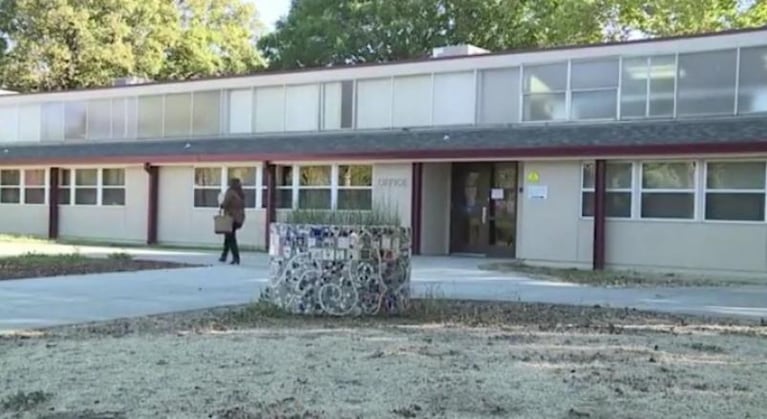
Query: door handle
[{"x": 484, "y": 215}]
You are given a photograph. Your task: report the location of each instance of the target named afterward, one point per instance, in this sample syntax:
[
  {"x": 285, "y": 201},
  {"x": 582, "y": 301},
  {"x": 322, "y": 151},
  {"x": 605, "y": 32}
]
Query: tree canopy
[
  {"x": 62, "y": 44},
  {"x": 332, "y": 32}
]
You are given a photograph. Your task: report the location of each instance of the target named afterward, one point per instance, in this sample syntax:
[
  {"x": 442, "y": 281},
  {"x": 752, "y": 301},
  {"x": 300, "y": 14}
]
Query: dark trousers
[{"x": 230, "y": 244}]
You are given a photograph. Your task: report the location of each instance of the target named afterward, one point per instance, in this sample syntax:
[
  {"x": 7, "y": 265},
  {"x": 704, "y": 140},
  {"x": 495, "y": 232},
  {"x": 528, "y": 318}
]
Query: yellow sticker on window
[{"x": 533, "y": 177}]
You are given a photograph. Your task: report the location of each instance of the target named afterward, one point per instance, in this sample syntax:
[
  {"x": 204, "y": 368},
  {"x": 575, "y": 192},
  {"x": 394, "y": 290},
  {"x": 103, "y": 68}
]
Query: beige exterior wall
[
  {"x": 182, "y": 224},
  {"x": 392, "y": 188},
  {"x": 126, "y": 224},
  {"x": 27, "y": 220},
  {"x": 435, "y": 209},
  {"x": 548, "y": 229},
  {"x": 701, "y": 247},
  {"x": 551, "y": 231}
]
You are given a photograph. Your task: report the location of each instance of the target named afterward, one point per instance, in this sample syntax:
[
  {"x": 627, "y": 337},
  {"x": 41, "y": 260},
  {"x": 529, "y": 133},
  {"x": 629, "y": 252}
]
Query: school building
[{"x": 647, "y": 154}]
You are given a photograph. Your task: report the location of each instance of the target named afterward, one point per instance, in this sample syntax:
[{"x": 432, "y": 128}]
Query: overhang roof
[{"x": 711, "y": 136}]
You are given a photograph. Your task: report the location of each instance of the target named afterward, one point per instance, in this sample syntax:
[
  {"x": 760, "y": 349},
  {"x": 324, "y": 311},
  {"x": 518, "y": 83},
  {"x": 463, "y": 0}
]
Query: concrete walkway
[{"x": 53, "y": 301}]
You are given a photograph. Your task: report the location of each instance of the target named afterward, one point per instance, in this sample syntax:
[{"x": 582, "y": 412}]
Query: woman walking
[{"x": 233, "y": 205}]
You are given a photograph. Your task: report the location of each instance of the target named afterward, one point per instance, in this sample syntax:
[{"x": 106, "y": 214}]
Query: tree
[
  {"x": 331, "y": 32},
  {"x": 217, "y": 37},
  {"x": 678, "y": 17},
  {"x": 64, "y": 44}
]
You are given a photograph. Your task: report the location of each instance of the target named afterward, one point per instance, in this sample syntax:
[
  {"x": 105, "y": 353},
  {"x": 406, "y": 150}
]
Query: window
[
  {"x": 178, "y": 115},
  {"x": 92, "y": 187},
  {"x": 735, "y": 191},
  {"x": 52, "y": 122},
  {"x": 343, "y": 187},
  {"x": 118, "y": 117},
  {"x": 207, "y": 186},
  {"x": 34, "y": 186},
  {"x": 131, "y": 117},
  {"x": 75, "y": 116},
  {"x": 752, "y": 84},
  {"x": 207, "y": 113},
  {"x": 594, "y": 86},
  {"x": 65, "y": 187},
  {"x": 706, "y": 83},
  {"x": 9, "y": 124},
  {"x": 373, "y": 112},
  {"x": 668, "y": 190},
  {"x": 284, "y": 187},
  {"x": 314, "y": 187},
  {"x": 355, "y": 188},
  {"x": 411, "y": 106},
  {"x": 10, "y": 186},
  {"x": 210, "y": 183},
  {"x": 545, "y": 88},
  {"x": 29, "y": 122},
  {"x": 99, "y": 119},
  {"x": 618, "y": 186},
  {"x": 248, "y": 178},
  {"x": 302, "y": 107},
  {"x": 240, "y": 111},
  {"x": 647, "y": 87},
  {"x": 499, "y": 96},
  {"x": 86, "y": 186},
  {"x": 113, "y": 187},
  {"x": 150, "y": 116},
  {"x": 347, "y": 104},
  {"x": 454, "y": 98},
  {"x": 269, "y": 112}
]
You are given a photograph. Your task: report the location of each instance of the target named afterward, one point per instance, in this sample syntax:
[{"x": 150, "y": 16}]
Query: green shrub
[{"x": 381, "y": 215}]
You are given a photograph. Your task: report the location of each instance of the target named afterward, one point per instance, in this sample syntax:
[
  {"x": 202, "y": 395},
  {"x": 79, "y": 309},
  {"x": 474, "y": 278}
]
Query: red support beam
[
  {"x": 415, "y": 207},
  {"x": 600, "y": 214},
  {"x": 153, "y": 203},
  {"x": 53, "y": 203},
  {"x": 270, "y": 181}
]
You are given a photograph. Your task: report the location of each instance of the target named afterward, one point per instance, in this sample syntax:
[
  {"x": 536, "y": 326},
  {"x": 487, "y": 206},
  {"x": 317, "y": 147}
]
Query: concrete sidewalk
[{"x": 53, "y": 301}]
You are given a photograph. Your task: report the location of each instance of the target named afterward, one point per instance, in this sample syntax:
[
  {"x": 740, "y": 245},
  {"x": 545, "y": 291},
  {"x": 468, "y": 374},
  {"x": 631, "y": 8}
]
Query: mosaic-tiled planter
[{"x": 339, "y": 270}]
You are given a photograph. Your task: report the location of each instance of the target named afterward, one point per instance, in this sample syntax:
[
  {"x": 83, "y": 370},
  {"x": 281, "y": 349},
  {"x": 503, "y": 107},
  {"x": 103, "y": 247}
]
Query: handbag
[{"x": 223, "y": 224}]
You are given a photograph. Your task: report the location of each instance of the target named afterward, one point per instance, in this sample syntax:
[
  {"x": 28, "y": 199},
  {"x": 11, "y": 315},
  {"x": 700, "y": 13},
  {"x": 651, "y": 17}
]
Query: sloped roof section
[{"x": 726, "y": 135}]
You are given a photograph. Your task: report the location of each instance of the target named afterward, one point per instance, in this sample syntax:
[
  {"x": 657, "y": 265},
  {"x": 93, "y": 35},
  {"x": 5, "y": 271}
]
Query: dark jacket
[{"x": 234, "y": 206}]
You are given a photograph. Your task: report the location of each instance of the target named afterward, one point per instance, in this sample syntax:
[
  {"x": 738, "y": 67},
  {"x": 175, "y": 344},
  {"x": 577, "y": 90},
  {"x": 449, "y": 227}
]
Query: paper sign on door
[{"x": 496, "y": 193}]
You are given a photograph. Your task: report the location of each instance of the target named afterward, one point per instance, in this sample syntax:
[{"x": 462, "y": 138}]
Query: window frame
[
  {"x": 571, "y": 91},
  {"x": 334, "y": 186},
  {"x": 694, "y": 190},
  {"x": 525, "y": 95},
  {"x": 648, "y": 94},
  {"x": 257, "y": 188},
  {"x": 337, "y": 187},
  {"x": 17, "y": 186},
  {"x": 736, "y": 84},
  {"x": 630, "y": 190},
  {"x": 102, "y": 187},
  {"x": 739, "y": 83},
  {"x": 329, "y": 187},
  {"x": 72, "y": 187},
  {"x": 706, "y": 191},
  {"x": 22, "y": 186},
  {"x": 25, "y": 187}
]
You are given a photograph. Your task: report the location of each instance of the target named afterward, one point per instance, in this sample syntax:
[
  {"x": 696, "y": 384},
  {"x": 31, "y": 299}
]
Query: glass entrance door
[
  {"x": 503, "y": 210},
  {"x": 471, "y": 189},
  {"x": 484, "y": 208}
]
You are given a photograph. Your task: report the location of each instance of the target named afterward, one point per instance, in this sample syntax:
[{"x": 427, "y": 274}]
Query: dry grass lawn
[{"x": 527, "y": 360}]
